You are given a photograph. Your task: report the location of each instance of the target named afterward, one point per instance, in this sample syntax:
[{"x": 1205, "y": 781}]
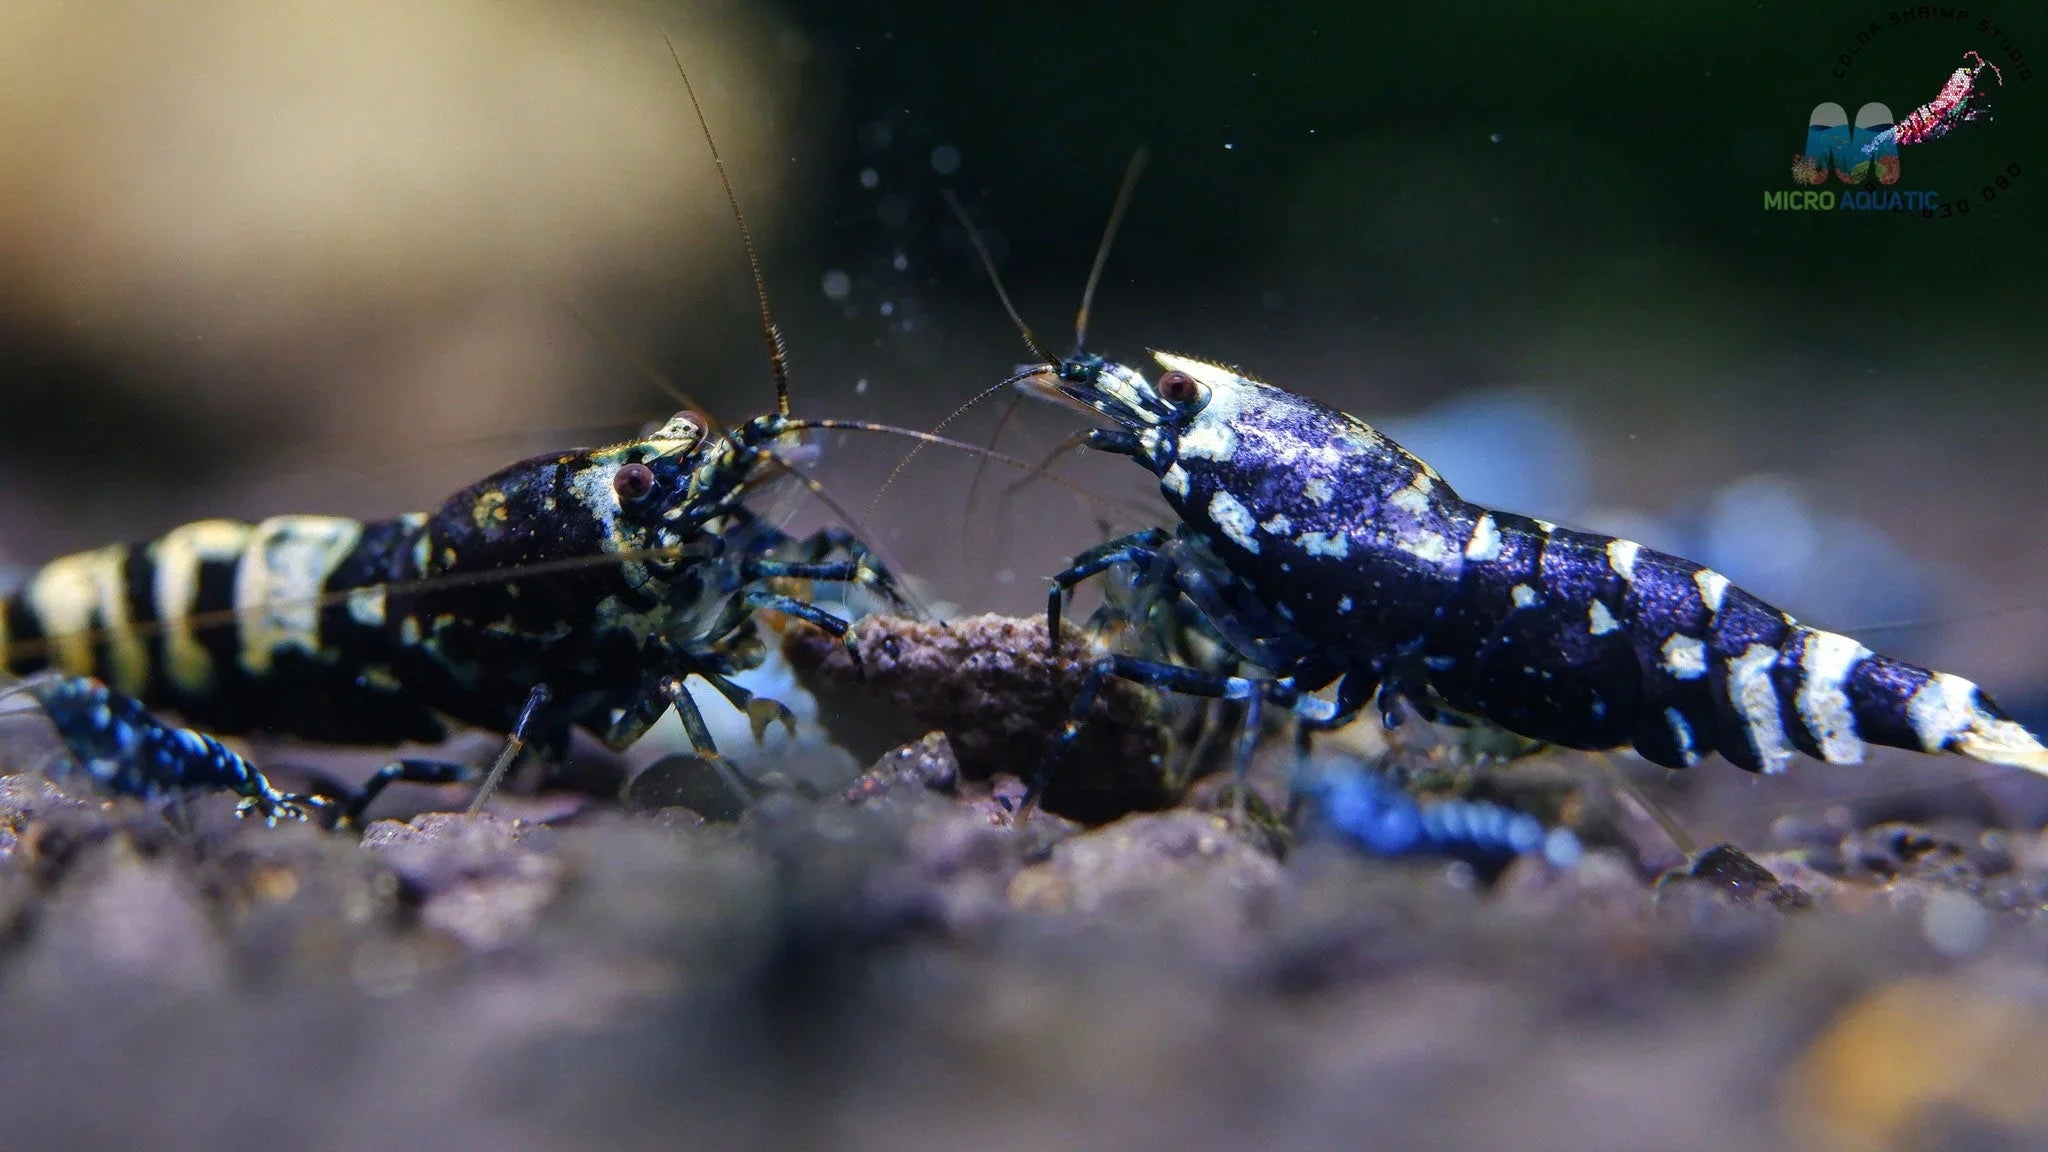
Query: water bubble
[
  {"x": 877, "y": 134},
  {"x": 1495, "y": 137},
  {"x": 860, "y": 386},
  {"x": 945, "y": 159},
  {"x": 869, "y": 177},
  {"x": 838, "y": 285},
  {"x": 900, "y": 263},
  {"x": 888, "y": 308},
  {"x": 1229, "y": 147}
]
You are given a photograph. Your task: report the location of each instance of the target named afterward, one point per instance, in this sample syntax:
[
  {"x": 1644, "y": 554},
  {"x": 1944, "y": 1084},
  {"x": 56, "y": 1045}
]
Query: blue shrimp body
[
  {"x": 1374, "y": 815},
  {"x": 124, "y": 751},
  {"x": 1325, "y": 553}
]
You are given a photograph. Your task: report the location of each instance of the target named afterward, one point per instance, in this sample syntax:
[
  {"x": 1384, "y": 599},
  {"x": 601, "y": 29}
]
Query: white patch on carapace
[
  {"x": 1941, "y": 710},
  {"x": 1411, "y": 500},
  {"x": 1713, "y": 586},
  {"x": 1318, "y": 490},
  {"x": 1175, "y": 480},
  {"x": 279, "y": 582},
  {"x": 1208, "y": 440},
  {"x": 1425, "y": 546},
  {"x": 1343, "y": 603},
  {"x": 1234, "y": 519},
  {"x": 1335, "y": 545},
  {"x": 1599, "y": 620},
  {"x": 1685, "y": 658},
  {"x": 1425, "y": 480},
  {"x": 1485, "y": 542},
  {"x": 1277, "y": 524},
  {"x": 78, "y": 601},
  {"x": 593, "y": 488},
  {"x": 1523, "y": 595},
  {"x": 1621, "y": 556},
  {"x": 1547, "y": 526},
  {"x": 1754, "y": 695},
  {"x": 366, "y": 606},
  {"x": 177, "y": 556},
  {"x": 1681, "y": 735},
  {"x": 1825, "y": 663}
]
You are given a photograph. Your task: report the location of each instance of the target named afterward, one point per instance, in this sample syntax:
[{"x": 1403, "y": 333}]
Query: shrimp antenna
[
  {"x": 1124, "y": 192},
  {"x": 988, "y": 262},
  {"x": 1038, "y": 349},
  {"x": 1132, "y": 171},
  {"x": 778, "y": 356}
]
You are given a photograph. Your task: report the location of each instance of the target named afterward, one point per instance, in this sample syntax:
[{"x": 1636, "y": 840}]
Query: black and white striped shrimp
[
  {"x": 1325, "y": 553},
  {"x": 578, "y": 589}
]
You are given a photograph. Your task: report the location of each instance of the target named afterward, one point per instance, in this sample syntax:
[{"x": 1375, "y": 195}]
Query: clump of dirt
[{"x": 991, "y": 684}]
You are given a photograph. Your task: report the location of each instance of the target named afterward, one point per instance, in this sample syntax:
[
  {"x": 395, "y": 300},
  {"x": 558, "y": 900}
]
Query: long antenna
[
  {"x": 890, "y": 479},
  {"x": 988, "y": 262},
  {"x": 778, "y": 357},
  {"x": 1031, "y": 340},
  {"x": 1116, "y": 218}
]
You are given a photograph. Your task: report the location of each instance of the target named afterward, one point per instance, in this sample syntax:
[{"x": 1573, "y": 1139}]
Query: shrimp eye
[
  {"x": 633, "y": 482},
  {"x": 1178, "y": 388},
  {"x": 695, "y": 420}
]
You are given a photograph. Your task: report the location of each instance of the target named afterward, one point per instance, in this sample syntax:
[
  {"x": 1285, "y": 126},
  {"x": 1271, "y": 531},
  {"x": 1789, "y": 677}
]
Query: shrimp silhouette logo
[{"x": 1866, "y": 151}]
